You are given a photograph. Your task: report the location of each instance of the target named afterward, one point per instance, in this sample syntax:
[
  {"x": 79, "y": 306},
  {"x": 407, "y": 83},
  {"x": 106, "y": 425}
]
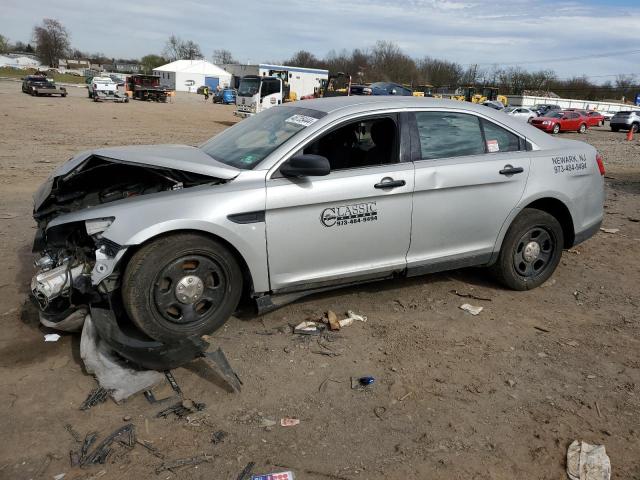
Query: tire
[
  {"x": 582, "y": 128},
  {"x": 615, "y": 129},
  {"x": 634, "y": 127},
  {"x": 535, "y": 234},
  {"x": 556, "y": 129},
  {"x": 156, "y": 272}
]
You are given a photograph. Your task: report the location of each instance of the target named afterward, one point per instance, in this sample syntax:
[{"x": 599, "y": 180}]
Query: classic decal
[
  {"x": 349, "y": 214},
  {"x": 569, "y": 163}
]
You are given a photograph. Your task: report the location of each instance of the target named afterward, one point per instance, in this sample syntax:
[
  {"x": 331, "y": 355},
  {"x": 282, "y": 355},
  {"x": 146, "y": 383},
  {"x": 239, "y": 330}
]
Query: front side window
[
  {"x": 360, "y": 143},
  {"x": 249, "y": 142},
  {"x": 448, "y": 134}
]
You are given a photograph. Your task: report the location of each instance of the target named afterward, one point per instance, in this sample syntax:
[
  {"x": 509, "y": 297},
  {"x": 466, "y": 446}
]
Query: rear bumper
[
  {"x": 240, "y": 114},
  {"x": 587, "y": 233}
]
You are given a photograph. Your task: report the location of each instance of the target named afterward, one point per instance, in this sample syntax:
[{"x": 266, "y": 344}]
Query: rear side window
[
  {"x": 498, "y": 139},
  {"x": 447, "y": 134}
]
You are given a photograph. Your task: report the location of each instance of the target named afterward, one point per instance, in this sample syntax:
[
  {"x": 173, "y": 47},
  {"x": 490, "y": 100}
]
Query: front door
[
  {"x": 352, "y": 224},
  {"x": 470, "y": 175}
]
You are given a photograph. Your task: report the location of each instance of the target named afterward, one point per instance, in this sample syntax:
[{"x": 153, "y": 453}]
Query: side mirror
[{"x": 306, "y": 166}]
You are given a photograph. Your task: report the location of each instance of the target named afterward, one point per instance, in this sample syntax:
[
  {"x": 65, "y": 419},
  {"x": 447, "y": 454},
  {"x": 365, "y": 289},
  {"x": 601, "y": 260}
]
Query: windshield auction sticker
[
  {"x": 303, "y": 120},
  {"x": 492, "y": 146},
  {"x": 571, "y": 164}
]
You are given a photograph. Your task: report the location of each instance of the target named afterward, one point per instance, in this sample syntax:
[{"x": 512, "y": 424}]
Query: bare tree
[
  {"x": 223, "y": 57},
  {"x": 303, "y": 58},
  {"x": 52, "y": 41},
  {"x": 177, "y": 49},
  {"x": 4, "y": 44}
]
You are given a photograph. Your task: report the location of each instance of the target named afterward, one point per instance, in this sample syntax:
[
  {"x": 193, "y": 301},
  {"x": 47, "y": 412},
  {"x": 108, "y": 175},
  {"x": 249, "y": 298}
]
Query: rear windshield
[{"x": 249, "y": 142}]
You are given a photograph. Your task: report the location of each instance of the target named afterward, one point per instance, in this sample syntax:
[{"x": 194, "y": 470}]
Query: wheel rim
[
  {"x": 556, "y": 128},
  {"x": 534, "y": 252},
  {"x": 190, "y": 289},
  {"x": 582, "y": 128}
]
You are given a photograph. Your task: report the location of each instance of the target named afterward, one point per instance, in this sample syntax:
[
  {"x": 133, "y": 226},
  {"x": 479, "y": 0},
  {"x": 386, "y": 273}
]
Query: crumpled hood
[{"x": 175, "y": 157}]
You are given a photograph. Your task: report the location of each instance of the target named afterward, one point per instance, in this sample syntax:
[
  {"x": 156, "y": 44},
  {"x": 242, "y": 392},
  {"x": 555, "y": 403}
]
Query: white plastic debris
[
  {"x": 111, "y": 372},
  {"x": 610, "y": 230},
  {"x": 587, "y": 462},
  {"x": 306, "y": 328},
  {"x": 352, "y": 317},
  {"x": 471, "y": 309},
  {"x": 59, "y": 476},
  {"x": 51, "y": 337}
]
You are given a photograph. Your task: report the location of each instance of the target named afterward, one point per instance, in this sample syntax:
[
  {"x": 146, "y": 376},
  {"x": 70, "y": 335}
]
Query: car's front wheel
[
  {"x": 556, "y": 128},
  {"x": 180, "y": 286},
  {"x": 583, "y": 128},
  {"x": 531, "y": 250}
]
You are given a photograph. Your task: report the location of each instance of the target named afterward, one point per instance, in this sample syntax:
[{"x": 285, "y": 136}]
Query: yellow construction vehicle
[{"x": 423, "y": 91}]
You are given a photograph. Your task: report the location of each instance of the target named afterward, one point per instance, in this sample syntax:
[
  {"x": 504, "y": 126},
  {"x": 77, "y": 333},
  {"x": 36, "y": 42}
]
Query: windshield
[
  {"x": 248, "y": 87},
  {"x": 249, "y": 142}
]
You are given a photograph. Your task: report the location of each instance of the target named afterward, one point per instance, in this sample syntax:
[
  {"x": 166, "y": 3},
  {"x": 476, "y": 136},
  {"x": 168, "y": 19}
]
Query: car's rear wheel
[
  {"x": 531, "y": 250},
  {"x": 582, "y": 128},
  {"x": 634, "y": 127},
  {"x": 181, "y": 286},
  {"x": 556, "y": 128}
]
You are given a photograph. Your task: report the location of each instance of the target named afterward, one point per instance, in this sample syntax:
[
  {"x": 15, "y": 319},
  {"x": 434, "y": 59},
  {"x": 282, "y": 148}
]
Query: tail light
[{"x": 600, "y": 163}]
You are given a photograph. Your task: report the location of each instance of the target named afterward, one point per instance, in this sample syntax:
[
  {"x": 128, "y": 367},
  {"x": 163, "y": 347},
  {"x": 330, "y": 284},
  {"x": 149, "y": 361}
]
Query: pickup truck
[
  {"x": 37, "y": 85},
  {"x": 105, "y": 88}
]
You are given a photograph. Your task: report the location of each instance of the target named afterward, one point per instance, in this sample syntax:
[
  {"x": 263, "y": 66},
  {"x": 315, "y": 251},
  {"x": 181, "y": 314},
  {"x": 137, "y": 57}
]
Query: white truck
[
  {"x": 105, "y": 88},
  {"x": 256, "y": 94}
]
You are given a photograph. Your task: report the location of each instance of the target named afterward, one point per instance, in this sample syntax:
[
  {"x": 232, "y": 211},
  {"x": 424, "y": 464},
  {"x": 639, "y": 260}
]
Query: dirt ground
[{"x": 494, "y": 396}]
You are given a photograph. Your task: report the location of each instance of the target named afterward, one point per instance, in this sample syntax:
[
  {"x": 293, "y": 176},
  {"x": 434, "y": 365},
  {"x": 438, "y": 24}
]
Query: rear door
[
  {"x": 352, "y": 224},
  {"x": 470, "y": 174}
]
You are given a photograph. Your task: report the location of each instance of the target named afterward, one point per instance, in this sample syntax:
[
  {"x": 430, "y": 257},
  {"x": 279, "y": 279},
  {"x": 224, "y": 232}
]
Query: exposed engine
[{"x": 76, "y": 266}]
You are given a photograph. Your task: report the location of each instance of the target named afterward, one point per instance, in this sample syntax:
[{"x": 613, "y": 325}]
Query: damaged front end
[{"x": 79, "y": 268}]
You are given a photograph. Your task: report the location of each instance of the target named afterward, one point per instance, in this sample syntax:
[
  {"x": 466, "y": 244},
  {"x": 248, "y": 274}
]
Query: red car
[
  {"x": 594, "y": 119},
  {"x": 561, "y": 121}
]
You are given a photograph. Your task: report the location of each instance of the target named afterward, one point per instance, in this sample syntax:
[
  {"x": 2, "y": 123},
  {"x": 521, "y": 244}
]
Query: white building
[
  {"x": 188, "y": 75},
  {"x": 302, "y": 81},
  {"x": 19, "y": 61}
]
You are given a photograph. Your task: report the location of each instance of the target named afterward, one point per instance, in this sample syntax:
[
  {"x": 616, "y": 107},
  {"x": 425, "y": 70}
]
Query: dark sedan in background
[{"x": 381, "y": 88}]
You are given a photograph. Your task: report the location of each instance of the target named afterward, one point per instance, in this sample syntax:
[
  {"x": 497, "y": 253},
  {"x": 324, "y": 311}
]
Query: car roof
[{"x": 356, "y": 104}]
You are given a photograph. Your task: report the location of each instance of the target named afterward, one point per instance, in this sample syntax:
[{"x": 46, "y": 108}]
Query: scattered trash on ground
[
  {"x": 332, "y": 318},
  {"x": 379, "y": 412},
  {"x": 246, "y": 471},
  {"x": 587, "y": 462},
  {"x": 219, "y": 436},
  {"x": 181, "y": 409},
  {"x": 610, "y": 230},
  {"x": 289, "y": 422},
  {"x": 153, "y": 450},
  {"x": 307, "y": 328},
  {"x": 572, "y": 343},
  {"x": 360, "y": 383},
  {"x": 471, "y": 309},
  {"x": 96, "y": 396},
  {"x": 573, "y": 250},
  {"x": 352, "y": 317},
  {"x": 541, "y": 329},
  {"x": 469, "y": 295},
  {"x": 51, "y": 337},
  {"x": 274, "y": 476},
  {"x": 125, "y": 436},
  {"x": 110, "y": 371},
  {"x": 59, "y": 476},
  {"x": 183, "y": 462},
  {"x": 633, "y": 219}
]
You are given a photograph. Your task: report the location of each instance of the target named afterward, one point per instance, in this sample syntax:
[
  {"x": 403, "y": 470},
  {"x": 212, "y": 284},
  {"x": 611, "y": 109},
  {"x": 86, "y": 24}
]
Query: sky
[{"x": 534, "y": 34}]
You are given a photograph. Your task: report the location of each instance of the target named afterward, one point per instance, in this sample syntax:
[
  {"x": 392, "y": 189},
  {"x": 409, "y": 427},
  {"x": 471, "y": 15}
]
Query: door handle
[
  {"x": 390, "y": 183},
  {"x": 510, "y": 170}
]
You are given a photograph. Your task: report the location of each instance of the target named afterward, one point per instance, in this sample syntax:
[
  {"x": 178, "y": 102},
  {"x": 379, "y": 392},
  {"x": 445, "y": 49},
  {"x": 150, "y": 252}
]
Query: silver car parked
[{"x": 305, "y": 197}]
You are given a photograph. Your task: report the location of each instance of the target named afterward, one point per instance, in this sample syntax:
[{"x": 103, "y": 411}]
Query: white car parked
[{"x": 523, "y": 113}]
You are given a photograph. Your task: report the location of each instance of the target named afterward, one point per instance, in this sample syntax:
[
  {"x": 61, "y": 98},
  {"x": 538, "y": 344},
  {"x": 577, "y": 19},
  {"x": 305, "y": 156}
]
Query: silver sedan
[{"x": 304, "y": 197}]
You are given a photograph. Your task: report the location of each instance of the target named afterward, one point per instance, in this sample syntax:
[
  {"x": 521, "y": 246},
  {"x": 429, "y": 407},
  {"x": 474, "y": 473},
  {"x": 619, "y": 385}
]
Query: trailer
[
  {"x": 298, "y": 82},
  {"x": 602, "y": 107},
  {"x": 147, "y": 87}
]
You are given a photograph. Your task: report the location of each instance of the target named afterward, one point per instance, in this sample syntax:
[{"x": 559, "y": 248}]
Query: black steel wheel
[
  {"x": 180, "y": 286},
  {"x": 531, "y": 250}
]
